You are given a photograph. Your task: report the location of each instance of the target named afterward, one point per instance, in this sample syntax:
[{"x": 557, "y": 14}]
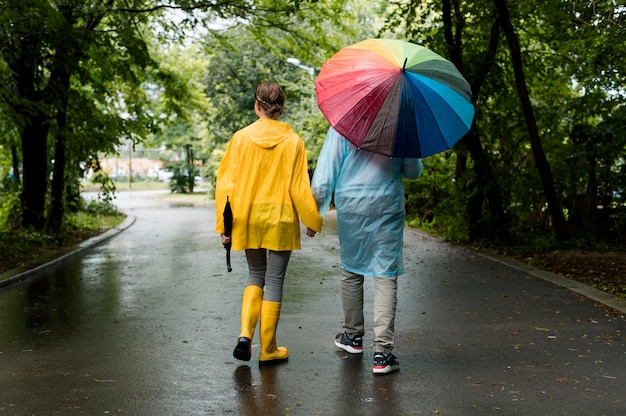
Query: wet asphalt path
[{"x": 144, "y": 324}]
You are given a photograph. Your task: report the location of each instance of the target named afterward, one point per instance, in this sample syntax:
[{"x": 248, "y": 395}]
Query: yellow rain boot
[
  {"x": 270, "y": 314},
  {"x": 250, "y": 310}
]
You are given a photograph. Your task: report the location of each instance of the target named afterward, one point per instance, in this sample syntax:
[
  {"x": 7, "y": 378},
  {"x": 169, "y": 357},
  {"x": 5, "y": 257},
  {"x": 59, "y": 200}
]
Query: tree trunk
[
  {"x": 58, "y": 174},
  {"x": 55, "y": 219},
  {"x": 554, "y": 206},
  {"x": 35, "y": 174},
  {"x": 486, "y": 188},
  {"x": 25, "y": 62}
]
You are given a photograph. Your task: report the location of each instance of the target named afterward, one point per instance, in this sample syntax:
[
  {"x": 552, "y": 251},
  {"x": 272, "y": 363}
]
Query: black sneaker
[
  {"x": 385, "y": 363},
  {"x": 352, "y": 345}
]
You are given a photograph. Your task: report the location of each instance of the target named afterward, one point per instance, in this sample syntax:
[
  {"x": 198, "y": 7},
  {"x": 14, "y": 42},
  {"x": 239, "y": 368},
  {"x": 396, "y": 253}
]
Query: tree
[
  {"x": 225, "y": 66},
  {"x": 58, "y": 53},
  {"x": 486, "y": 184},
  {"x": 484, "y": 200},
  {"x": 46, "y": 46},
  {"x": 554, "y": 205},
  {"x": 555, "y": 57}
]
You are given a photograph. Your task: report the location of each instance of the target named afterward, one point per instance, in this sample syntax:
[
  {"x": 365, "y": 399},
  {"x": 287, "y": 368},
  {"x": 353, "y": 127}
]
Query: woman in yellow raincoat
[{"x": 264, "y": 174}]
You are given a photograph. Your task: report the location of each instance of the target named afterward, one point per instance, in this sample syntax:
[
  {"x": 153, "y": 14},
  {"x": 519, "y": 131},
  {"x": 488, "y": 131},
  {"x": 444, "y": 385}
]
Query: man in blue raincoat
[{"x": 369, "y": 199}]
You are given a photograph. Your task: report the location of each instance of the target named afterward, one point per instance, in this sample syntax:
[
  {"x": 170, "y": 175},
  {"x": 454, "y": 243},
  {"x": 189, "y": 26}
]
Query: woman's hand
[
  {"x": 225, "y": 240},
  {"x": 310, "y": 232}
]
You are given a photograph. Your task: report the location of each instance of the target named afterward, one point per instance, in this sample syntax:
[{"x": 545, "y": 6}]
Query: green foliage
[
  {"x": 85, "y": 76},
  {"x": 8, "y": 183},
  {"x": 106, "y": 185},
  {"x": 183, "y": 178},
  {"x": 98, "y": 207},
  {"x": 10, "y": 210},
  {"x": 578, "y": 101},
  {"x": 22, "y": 246},
  {"x": 94, "y": 216},
  {"x": 432, "y": 202},
  {"x": 223, "y": 74},
  {"x": 173, "y": 80}
]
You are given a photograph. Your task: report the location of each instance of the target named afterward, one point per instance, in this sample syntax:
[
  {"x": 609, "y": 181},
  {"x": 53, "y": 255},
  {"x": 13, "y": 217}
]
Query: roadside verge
[{"x": 22, "y": 273}]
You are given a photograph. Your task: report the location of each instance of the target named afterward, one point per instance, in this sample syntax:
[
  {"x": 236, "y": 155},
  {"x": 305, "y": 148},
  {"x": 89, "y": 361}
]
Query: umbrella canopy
[
  {"x": 228, "y": 230},
  {"x": 395, "y": 98}
]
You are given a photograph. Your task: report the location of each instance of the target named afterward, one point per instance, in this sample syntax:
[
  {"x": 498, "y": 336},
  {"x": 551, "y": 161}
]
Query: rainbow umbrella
[{"x": 395, "y": 98}]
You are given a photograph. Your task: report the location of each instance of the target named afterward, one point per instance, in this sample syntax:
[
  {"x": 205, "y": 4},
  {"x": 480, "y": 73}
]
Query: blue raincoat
[{"x": 369, "y": 198}]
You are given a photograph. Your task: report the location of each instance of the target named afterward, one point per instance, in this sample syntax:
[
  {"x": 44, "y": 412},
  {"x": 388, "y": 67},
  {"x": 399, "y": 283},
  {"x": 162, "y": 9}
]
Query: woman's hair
[{"x": 271, "y": 98}]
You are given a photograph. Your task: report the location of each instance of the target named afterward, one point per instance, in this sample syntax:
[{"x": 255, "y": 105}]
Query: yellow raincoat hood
[{"x": 264, "y": 173}]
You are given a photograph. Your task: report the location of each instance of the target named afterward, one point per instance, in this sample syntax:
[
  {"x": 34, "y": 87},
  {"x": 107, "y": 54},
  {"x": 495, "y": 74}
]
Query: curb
[
  {"x": 614, "y": 302},
  {"x": 22, "y": 273}
]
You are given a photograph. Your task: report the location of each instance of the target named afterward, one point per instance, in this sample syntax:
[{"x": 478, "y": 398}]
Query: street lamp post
[{"x": 310, "y": 70}]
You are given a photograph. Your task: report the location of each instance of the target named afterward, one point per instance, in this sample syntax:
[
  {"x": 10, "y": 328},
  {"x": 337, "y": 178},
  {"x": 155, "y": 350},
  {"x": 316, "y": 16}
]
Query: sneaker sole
[
  {"x": 349, "y": 348},
  {"x": 386, "y": 369}
]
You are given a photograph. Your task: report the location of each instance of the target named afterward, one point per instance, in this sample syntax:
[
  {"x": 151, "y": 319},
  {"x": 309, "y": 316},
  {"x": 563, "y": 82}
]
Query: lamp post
[
  {"x": 130, "y": 163},
  {"x": 310, "y": 70}
]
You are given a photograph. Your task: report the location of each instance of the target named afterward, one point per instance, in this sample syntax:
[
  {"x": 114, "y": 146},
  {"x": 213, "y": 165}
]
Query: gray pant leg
[
  {"x": 267, "y": 270},
  {"x": 385, "y": 301},
  {"x": 352, "y": 303},
  {"x": 277, "y": 263},
  {"x": 257, "y": 263}
]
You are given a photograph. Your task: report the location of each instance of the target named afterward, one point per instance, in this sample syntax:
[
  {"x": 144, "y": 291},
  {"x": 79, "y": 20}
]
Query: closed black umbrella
[{"x": 228, "y": 229}]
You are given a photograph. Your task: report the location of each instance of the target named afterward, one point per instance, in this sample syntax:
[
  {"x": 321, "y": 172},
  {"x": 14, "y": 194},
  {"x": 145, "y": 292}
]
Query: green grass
[
  {"x": 125, "y": 186},
  {"x": 22, "y": 247}
]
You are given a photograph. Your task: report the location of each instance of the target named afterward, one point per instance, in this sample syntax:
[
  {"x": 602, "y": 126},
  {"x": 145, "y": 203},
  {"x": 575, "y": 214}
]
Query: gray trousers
[
  {"x": 267, "y": 270},
  {"x": 385, "y": 301}
]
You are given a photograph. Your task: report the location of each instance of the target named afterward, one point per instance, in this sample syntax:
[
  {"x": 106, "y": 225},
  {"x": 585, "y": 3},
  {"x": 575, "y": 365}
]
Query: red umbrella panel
[{"x": 395, "y": 98}]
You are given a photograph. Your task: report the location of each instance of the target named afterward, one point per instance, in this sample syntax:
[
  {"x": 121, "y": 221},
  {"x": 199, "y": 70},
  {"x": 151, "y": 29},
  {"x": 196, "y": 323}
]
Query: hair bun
[{"x": 271, "y": 98}]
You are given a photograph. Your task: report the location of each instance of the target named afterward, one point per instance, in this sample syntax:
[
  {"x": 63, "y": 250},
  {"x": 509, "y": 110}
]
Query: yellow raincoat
[{"x": 264, "y": 173}]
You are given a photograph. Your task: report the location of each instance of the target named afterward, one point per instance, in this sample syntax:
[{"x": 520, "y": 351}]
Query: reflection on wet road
[{"x": 145, "y": 323}]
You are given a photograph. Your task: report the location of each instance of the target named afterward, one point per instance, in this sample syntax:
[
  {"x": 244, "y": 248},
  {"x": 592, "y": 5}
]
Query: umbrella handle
[{"x": 227, "y": 247}]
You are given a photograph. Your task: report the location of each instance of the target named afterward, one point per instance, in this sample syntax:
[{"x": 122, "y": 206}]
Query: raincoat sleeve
[
  {"x": 327, "y": 171},
  {"x": 411, "y": 168},
  {"x": 300, "y": 192},
  {"x": 225, "y": 184}
]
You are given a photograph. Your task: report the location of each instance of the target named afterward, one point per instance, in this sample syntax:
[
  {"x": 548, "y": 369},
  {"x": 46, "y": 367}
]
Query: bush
[
  {"x": 10, "y": 211},
  {"x": 183, "y": 178},
  {"x": 107, "y": 187},
  {"x": 21, "y": 246}
]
